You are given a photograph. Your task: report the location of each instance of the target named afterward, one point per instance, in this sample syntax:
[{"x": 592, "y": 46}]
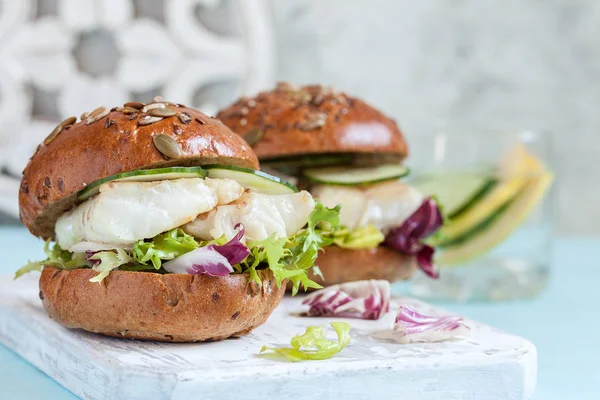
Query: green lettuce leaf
[
  {"x": 321, "y": 222},
  {"x": 305, "y": 244},
  {"x": 165, "y": 246},
  {"x": 109, "y": 260},
  {"x": 313, "y": 345},
  {"x": 317, "y": 272},
  {"x": 364, "y": 237},
  {"x": 288, "y": 258},
  {"x": 291, "y": 258},
  {"x": 29, "y": 267},
  {"x": 269, "y": 252},
  {"x": 58, "y": 258}
]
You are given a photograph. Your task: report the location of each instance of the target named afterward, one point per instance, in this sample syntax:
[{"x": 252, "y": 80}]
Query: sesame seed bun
[
  {"x": 108, "y": 142},
  {"x": 301, "y": 121},
  {"x": 151, "y": 306}
]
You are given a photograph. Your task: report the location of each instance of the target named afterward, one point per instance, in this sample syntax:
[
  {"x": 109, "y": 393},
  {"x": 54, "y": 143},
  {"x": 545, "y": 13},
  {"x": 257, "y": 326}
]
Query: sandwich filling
[
  {"x": 389, "y": 213},
  {"x": 194, "y": 226}
]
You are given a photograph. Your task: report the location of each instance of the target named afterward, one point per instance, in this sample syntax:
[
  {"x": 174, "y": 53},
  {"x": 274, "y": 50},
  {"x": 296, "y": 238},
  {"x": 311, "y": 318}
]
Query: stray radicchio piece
[
  {"x": 411, "y": 326},
  {"x": 212, "y": 260},
  {"x": 361, "y": 299},
  {"x": 408, "y": 237}
]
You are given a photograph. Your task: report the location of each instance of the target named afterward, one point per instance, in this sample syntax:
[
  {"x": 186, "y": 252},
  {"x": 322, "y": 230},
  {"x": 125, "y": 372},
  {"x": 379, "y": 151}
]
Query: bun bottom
[
  {"x": 166, "y": 308},
  {"x": 344, "y": 265}
]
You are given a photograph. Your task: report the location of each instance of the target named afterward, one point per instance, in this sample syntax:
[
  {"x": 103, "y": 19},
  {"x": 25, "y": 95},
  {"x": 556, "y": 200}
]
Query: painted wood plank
[{"x": 490, "y": 364}]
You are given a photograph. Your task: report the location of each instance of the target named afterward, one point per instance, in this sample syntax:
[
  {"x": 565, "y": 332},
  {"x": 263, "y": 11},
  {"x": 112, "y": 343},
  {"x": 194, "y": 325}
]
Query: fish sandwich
[
  {"x": 345, "y": 152},
  {"x": 159, "y": 226}
]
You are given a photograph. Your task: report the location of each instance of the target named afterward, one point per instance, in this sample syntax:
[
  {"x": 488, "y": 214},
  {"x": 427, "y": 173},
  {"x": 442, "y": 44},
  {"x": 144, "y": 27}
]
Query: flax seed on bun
[
  {"x": 297, "y": 121},
  {"x": 295, "y": 126},
  {"x": 105, "y": 142},
  {"x": 172, "y": 307}
]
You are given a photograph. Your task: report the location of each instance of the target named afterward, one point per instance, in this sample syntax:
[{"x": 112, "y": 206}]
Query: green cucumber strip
[
  {"x": 456, "y": 191},
  {"x": 497, "y": 227},
  {"x": 472, "y": 232},
  {"x": 355, "y": 175},
  {"x": 480, "y": 210},
  {"x": 257, "y": 181},
  {"x": 143, "y": 175}
]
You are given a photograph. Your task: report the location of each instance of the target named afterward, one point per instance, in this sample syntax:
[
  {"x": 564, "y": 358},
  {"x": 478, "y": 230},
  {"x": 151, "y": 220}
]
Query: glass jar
[{"x": 494, "y": 187}]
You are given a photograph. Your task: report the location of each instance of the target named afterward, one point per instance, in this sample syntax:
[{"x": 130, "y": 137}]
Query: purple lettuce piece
[
  {"x": 408, "y": 237},
  {"x": 89, "y": 254},
  {"x": 411, "y": 326},
  {"x": 361, "y": 299},
  {"x": 211, "y": 269},
  {"x": 201, "y": 261},
  {"x": 212, "y": 260},
  {"x": 234, "y": 250}
]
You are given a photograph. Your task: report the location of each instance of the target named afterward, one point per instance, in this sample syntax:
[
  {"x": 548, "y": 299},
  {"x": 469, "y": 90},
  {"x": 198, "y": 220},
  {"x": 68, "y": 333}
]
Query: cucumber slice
[
  {"x": 355, "y": 176},
  {"x": 518, "y": 165},
  {"x": 498, "y": 227},
  {"x": 258, "y": 181},
  {"x": 456, "y": 191},
  {"x": 143, "y": 175}
]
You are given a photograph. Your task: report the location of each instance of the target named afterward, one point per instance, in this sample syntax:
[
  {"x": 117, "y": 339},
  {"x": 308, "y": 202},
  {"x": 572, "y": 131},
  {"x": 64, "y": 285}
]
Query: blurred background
[{"x": 480, "y": 65}]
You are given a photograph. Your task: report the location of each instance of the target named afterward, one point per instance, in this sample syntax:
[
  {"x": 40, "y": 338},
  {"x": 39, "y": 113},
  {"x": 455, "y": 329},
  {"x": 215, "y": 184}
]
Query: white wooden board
[{"x": 489, "y": 365}]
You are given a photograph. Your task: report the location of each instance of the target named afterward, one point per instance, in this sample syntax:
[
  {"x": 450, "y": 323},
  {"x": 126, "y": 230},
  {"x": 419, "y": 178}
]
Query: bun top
[
  {"x": 106, "y": 142},
  {"x": 292, "y": 121}
]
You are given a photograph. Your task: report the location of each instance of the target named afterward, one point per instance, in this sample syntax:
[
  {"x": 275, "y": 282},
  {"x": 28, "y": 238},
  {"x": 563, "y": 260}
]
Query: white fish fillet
[
  {"x": 385, "y": 205},
  {"x": 262, "y": 215},
  {"x": 352, "y": 199},
  {"x": 124, "y": 212}
]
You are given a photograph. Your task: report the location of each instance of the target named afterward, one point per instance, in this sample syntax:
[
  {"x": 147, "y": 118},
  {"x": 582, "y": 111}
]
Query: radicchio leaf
[
  {"x": 202, "y": 261},
  {"x": 234, "y": 250},
  {"x": 361, "y": 299},
  {"x": 211, "y": 269},
  {"x": 212, "y": 260},
  {"x": 411, "y": 326},
  {"x": 408, "y": 237}
]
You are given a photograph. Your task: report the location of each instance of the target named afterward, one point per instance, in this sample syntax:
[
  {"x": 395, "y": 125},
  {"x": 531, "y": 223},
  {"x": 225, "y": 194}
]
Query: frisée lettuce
[
  {"x": 105, "y": 261},
  {"x": 56, "y": 257},
  {"x": 313, "y": 345},
  {"x": 288, "y": 258}
]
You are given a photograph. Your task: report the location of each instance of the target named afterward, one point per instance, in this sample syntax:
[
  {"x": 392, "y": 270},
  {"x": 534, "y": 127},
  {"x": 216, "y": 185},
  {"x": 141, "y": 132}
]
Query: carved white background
[{"x": 61, "y": 57}]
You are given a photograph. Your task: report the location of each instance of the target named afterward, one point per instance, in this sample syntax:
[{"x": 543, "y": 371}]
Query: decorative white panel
[{"x": 61, "y": 57}]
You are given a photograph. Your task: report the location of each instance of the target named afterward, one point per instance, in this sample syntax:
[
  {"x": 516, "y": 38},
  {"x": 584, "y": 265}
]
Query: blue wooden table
[{"x": 562, "y": 323}]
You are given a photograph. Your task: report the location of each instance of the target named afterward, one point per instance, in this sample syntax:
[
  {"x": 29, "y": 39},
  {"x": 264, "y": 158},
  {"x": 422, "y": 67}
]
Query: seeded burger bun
[
  {"x": 167, "y": 308},
  {"x": 106, "y": 142},
  {"x": 138, "y": 305},
  {"x": 342, "y": 265},
  {"x": 292, "y": 121},
  {"x": 292, "y": 126}
]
